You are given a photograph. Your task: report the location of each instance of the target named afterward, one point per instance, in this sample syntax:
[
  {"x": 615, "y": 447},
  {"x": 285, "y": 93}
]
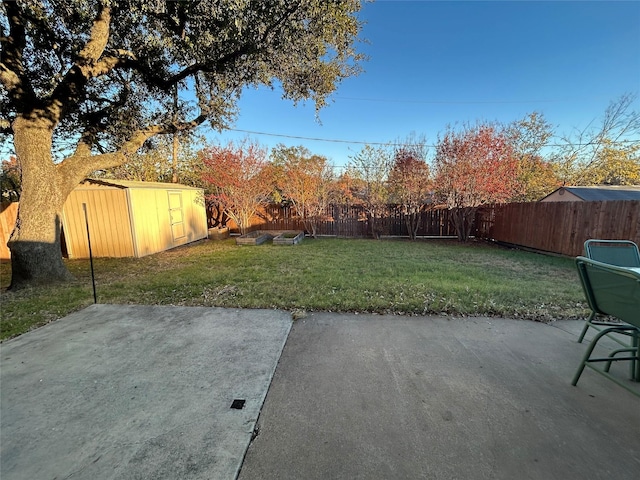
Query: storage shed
[
  {"x": 8, "y": 214},
  {"x": 598, "y": 193},
  {"x": 132, "y": 219}
]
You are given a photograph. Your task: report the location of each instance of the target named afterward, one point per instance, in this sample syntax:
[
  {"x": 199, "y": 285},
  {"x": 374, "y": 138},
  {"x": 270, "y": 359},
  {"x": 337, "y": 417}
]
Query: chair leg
[
  {"x": 635, "y": 358},
  {"x": 612, "y": 359},
  {"x": 635, "y": 365},
  {"x": 587, "y": 354},
  {"x": 635, "y": 362},
  {"x": 586, "y": 326}
]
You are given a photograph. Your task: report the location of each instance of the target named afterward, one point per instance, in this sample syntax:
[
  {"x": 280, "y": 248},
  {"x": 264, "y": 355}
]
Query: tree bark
[
  {"x": 35, "y": 242},
  {"x": 463, "y": 219},
  {"x": 174, "y": 160},
  {"x": 412, "y": 222}
]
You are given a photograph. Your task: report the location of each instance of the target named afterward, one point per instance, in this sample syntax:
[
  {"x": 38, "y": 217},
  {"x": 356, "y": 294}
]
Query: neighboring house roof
[
  {"x": 107, "y": 182},
  {"x": 601, "y": 193}
]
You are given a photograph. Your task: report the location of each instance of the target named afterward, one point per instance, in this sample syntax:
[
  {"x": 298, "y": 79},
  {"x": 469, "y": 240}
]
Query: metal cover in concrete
[{"x": 136, "y": 392}]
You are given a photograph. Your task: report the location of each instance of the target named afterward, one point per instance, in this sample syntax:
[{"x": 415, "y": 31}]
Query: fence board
[
  {"x": 352, "y": 221},
  {"x": 560, "y": 227}
]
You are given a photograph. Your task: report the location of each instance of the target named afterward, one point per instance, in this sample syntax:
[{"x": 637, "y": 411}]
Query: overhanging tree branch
[
  {"x": 83, "y": 161},
  {"x": 71, "y": 88},
  {"x": 12, "y": 71}
]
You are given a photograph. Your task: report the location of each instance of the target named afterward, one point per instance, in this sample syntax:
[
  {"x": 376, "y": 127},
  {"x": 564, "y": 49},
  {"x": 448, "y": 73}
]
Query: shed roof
[
  {"x": 90, "y": 183},
  {"x": 603, "y": 192}
]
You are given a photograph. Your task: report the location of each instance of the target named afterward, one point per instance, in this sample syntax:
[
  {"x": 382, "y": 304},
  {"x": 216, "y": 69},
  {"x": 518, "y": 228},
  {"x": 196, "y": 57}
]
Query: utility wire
[
  {"x": 252, "y": 132},
  {"x": 394, "y": 144},
  {"x": 451, "y": 102}
]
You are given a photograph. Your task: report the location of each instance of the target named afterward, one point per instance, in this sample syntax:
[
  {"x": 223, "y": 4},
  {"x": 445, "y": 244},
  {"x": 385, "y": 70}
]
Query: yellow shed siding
[
  {"x": 146, "y": 223},
  {"x": 165, "y": 219},
  {"x": 8, "y": 215},
  {"x": 109, "y": 225},
  {"x": 195, "y": 216},
  {"x": 126, "y": 219}
]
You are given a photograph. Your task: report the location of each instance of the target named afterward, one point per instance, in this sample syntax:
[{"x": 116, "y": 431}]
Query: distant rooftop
[{"x": 600, "y": 193}]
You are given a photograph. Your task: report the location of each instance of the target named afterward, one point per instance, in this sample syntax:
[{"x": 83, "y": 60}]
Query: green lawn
[{"x": 391, "y": 276}]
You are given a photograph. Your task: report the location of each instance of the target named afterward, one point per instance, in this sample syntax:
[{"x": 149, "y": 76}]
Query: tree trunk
[
  {"x": 463, "y": 218},
  {"x": 174, "y": 160},
  {"x": 36, "y": 256},
  {"x": 412, "y": 222},
  {"x": 309, "y": 222}
]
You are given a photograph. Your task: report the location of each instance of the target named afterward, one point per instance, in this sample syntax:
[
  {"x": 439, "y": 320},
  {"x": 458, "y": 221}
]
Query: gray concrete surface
[
  {"x": 135, "y": 392},
  {"x": 384, "y": 397}
]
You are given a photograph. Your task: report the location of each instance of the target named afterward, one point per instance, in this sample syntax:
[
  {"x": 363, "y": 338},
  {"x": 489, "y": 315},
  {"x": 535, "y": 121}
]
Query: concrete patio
[
  {"x": 380, "y": 397},
  {"x": 115, "y": 392},
  {"x": 136, "y": 392}
]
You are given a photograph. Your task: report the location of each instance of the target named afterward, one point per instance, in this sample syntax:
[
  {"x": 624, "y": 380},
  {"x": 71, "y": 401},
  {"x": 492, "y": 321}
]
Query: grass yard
[{"x": 347, "y": 275}]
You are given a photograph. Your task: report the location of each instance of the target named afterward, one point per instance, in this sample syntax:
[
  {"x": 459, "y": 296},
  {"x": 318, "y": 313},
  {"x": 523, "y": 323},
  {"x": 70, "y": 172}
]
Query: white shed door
[{"x": 176, "y": 214}]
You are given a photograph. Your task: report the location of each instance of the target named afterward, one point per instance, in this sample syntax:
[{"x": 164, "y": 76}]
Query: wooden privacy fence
[
  {"x": 353, "y": 221},
  {"x": 559, "y": 227}
]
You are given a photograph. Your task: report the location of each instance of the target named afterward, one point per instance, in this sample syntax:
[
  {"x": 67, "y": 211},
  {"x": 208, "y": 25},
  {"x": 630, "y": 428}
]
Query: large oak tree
[{"x": 85, "y": 83}]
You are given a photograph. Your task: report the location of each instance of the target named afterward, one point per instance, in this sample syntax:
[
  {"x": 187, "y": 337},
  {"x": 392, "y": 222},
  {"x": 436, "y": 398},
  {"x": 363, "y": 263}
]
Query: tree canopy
[
  {"x": 473, "y": 167},
  {"x": 410, "y": 183},
  {"x": 605, "y": 151},
  {"x": 85, "y": 83},
  {"x": 368, "y": 174},
  {"x": 238, "y": 177},
  {"x": 105, "y": 70},
  {"x": 305, "y": 180}
]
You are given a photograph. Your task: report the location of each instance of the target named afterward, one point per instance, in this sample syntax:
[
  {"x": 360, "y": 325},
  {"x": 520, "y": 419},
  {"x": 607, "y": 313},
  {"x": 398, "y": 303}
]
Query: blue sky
[{"x": 433, "y": 64}]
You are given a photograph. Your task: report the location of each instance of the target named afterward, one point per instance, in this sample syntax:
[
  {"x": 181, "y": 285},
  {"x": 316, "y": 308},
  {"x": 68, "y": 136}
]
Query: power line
[
  {"x": 394, "y": 144},
  {"x": 329, "y": 140},
  {"x": 452, "y": 102}
]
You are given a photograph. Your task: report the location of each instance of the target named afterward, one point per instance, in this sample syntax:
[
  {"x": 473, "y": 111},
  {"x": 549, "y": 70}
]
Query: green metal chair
[
  {"x": 622, "y": 253},
  {"x": 615, "y": 291}
]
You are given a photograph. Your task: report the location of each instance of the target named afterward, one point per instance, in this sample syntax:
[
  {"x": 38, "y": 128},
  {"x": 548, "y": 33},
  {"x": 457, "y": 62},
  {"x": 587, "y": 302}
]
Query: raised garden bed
[
  {"x": 218, "y": 233},
  {"x": 288, "y": 238},
  {"x": 253, "y": 238}
]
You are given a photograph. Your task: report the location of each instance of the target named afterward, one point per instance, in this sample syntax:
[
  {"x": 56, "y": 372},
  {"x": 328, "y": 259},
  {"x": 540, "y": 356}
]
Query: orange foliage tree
[
  {"x": 537, "y": 176},
  {"x": 474, "y": 167},
  {"x": 238, "y": 177},
  {"x": 306, "y": 181}
]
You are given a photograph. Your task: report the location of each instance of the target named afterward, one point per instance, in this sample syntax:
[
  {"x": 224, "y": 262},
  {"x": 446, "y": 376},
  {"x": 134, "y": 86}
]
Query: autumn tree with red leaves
[
  {"x": 10, "y": 180},
  {"x": 410, "y": 184},
  {"x": 473, "y": 167},
  {"x": 239, "y": 180}
]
